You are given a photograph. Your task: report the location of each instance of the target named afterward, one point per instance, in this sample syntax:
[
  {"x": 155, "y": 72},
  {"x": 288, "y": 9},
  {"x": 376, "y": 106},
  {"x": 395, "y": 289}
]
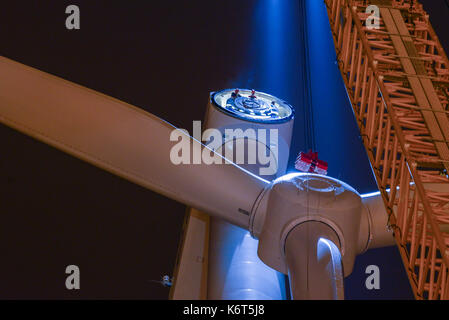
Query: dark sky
[{"x": 165, "y": 57}]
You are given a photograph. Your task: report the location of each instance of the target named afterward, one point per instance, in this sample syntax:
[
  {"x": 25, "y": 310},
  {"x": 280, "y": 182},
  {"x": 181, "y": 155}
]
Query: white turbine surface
[{"x": 121, "y": 139}]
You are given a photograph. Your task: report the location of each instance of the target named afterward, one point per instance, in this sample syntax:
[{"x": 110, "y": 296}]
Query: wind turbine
[{"x": 308, "y": 225}]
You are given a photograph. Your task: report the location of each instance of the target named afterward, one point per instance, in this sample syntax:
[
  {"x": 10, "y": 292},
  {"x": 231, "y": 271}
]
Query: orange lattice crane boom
[{"x": 397, "y": 77}]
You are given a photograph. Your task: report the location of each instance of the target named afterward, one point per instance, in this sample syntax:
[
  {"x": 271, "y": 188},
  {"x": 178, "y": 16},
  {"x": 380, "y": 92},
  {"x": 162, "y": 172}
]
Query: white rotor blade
[{"x": 121, "y": 139}]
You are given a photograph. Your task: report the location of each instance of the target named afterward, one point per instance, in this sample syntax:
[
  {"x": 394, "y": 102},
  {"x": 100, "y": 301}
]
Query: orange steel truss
[{"x": 397, "y": 78}]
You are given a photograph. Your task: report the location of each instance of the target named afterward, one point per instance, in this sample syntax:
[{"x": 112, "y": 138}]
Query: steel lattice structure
[{"x": 397, "y": 78}]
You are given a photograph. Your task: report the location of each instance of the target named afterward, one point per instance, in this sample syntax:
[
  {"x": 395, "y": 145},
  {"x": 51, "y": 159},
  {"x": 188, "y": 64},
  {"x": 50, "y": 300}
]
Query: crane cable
[{"x": 309, "y": 127}]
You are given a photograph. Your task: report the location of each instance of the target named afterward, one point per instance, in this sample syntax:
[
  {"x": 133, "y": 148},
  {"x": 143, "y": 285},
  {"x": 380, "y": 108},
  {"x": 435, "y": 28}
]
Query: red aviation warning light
[
  {"x": 253, "y": 94},
  {"x": 309, "y": 162}
]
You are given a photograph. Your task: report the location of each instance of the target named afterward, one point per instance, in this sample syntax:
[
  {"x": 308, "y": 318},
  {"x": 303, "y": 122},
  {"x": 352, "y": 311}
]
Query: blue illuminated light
[{"x": 371, "y": 194}]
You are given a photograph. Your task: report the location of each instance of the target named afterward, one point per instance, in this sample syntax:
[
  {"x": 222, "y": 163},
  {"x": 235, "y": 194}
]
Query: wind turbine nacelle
[{"x": 256, "y": 122}]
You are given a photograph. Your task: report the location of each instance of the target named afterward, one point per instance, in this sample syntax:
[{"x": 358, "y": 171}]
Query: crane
[{"x": 397, "y": 78}]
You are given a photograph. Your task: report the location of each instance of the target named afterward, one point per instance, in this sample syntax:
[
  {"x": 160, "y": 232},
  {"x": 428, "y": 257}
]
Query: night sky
[{"x": 164, "y": 57}]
